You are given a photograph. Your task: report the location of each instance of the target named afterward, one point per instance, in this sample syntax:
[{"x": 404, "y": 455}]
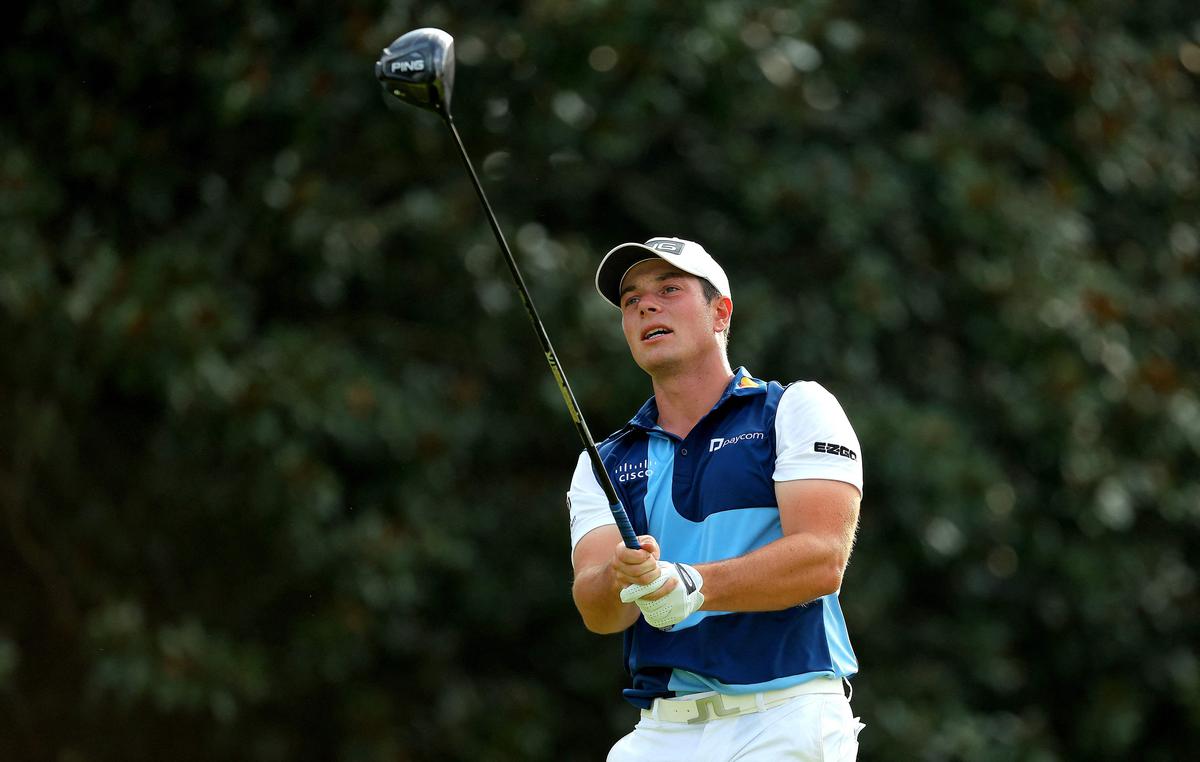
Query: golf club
[{"x": 418, "y": 68}]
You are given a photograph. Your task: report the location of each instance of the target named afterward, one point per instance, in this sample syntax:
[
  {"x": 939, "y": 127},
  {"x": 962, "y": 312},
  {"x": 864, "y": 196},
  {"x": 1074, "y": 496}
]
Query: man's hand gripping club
[{"x": 667, "y": 593}]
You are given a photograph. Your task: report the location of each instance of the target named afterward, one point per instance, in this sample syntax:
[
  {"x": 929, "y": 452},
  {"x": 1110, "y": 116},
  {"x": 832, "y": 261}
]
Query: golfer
[{"x": 745, "y": 495}]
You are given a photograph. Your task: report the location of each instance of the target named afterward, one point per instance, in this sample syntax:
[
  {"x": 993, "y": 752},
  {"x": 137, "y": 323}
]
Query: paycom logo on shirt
[{"x": 719, "y": 442}]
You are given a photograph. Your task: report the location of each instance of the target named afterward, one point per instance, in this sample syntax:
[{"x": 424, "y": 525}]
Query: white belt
[{"x": 702, "y": 707}]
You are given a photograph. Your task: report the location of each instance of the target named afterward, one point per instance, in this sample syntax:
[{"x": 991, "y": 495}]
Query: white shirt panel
[
  {"x": 814, "y": 438},
  {"x": 588, "y": 506}
]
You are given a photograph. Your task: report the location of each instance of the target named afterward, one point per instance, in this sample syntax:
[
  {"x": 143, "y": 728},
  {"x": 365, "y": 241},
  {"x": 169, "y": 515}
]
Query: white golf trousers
[{"x": 814, "y": 728}]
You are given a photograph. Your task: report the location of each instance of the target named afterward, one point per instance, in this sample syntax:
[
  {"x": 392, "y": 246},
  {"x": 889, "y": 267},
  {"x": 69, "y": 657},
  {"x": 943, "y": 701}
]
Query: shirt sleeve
[
  {"x": 586, "y": 502},
  {"x": 814, "y": 439}
]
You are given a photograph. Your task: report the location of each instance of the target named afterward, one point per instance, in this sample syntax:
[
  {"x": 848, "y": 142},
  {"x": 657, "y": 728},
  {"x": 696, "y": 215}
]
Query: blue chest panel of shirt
[{"x": 724, "y": 464}]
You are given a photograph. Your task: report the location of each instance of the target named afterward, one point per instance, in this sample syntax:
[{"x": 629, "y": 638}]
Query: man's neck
[{"x": 686, "y": 396}]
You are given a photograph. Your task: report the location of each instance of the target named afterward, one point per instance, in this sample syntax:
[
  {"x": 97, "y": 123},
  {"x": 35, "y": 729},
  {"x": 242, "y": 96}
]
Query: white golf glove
[{"x": 675, "y": 606}]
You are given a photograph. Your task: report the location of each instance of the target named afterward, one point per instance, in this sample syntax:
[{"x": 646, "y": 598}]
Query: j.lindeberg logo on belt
[{"x": 719, "y": 442}]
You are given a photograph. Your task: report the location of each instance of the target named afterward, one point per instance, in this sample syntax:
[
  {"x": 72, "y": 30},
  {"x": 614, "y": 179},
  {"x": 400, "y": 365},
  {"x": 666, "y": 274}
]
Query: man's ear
[{"x": 722, "y": 313}]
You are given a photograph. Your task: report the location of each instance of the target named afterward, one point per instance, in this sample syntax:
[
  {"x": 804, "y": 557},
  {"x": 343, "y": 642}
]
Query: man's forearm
[
  {"x": 788, "y": 572},
  {"x": 598, "y": 598}
]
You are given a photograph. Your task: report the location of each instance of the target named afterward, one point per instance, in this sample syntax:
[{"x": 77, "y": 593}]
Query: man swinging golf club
[{"x": 745, "y": 496}]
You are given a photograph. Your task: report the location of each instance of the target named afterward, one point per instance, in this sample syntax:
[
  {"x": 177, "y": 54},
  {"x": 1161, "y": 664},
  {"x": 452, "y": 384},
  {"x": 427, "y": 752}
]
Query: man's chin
[{"x": 658, "y": 364}]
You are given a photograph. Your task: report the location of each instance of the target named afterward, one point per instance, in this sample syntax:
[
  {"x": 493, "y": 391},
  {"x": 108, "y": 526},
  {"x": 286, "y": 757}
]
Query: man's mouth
[{"x": 655, "y": 333}]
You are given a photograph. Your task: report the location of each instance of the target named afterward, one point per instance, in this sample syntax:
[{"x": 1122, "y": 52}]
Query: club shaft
[{"x": 610, "y": 492}]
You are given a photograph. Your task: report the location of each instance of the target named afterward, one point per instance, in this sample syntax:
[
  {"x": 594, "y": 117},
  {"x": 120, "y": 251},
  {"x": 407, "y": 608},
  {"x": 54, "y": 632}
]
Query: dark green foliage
[{"x": 281, "y": 470}]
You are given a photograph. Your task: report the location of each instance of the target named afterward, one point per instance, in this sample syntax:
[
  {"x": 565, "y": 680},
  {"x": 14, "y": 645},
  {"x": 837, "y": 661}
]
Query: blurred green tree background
[{"x": 282, "y": 471}]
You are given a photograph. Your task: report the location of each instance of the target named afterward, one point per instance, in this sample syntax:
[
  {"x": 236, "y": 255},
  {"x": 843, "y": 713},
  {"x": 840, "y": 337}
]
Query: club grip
[{"x": 626, "y": 529}]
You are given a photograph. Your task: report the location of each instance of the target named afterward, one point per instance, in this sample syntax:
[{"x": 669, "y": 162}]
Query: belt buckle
[{"x": 716, "y": 703}]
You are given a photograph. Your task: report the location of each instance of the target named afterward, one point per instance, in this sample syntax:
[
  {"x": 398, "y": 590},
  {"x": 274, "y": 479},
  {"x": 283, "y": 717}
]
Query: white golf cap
[{"x": 688, "y": 256}]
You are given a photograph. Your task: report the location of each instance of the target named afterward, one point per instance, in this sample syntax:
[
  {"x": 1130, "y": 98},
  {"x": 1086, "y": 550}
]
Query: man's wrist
[
  {"x": 708, "y": 572},
  {"x": 613, "y": 586}
]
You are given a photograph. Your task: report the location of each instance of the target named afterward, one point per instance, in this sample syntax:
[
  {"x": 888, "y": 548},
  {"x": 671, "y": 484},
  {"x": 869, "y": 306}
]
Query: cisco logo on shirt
[
  {"x": 718, "y": 443},
  {"x": 627, "y": 472}
]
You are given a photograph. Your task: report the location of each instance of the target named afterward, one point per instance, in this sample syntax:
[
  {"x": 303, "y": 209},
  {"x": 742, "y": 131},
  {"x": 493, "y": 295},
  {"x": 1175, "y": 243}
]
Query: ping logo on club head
[
  {"x": 415, "y": 63},
  {"x": 666, "y": 244}
]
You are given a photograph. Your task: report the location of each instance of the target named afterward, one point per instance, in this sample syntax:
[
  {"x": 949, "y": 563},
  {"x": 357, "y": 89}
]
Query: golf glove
[{"x": 675, "y": 606}]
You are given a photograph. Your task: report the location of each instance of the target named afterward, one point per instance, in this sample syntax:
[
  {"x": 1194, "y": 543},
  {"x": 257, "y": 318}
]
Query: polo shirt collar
[{"x": 742, "y": 384}]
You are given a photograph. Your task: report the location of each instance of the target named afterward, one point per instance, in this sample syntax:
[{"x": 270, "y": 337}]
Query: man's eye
[
  {"x": 669, "y": 289},
  {"x": 631, "y": 300}
]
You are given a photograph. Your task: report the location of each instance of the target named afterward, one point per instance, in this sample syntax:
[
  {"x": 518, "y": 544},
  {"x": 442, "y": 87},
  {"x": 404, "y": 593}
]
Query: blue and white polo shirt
[{"x": 711, "y": 496}]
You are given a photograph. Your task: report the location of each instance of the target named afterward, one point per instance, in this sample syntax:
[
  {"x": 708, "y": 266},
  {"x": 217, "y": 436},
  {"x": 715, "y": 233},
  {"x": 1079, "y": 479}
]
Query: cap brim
[{"x": 616, "y": 263}]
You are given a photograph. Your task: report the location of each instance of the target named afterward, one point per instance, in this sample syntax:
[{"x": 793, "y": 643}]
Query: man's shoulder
[
  {"x": 766, "y": 391},
  {"x": 806, "y": 389},
  {"x": 799, "y": 397},
  {"x": 746, "y": 384}
]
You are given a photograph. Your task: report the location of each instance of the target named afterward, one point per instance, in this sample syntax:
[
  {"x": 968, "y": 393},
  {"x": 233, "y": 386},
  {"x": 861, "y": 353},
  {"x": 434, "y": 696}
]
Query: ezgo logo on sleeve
[
  {"x": 834, "y": 449},
  {"x": 719, "y": 442}
]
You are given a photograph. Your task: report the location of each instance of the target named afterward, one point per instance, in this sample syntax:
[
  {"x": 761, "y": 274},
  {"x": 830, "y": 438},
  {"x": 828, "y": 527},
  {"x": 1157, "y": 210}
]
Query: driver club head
[{"x": 418, "y": 68}]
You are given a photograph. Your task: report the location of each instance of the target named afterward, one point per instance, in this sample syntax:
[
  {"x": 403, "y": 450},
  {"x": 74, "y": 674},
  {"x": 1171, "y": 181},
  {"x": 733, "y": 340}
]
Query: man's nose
[{"x": 647, "y": 306}]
